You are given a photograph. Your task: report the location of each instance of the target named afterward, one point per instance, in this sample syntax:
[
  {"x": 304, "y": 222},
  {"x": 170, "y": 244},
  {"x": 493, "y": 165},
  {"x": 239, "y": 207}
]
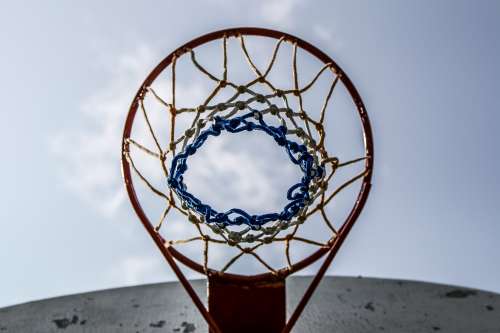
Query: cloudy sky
[{"x": 429, "y": 75}]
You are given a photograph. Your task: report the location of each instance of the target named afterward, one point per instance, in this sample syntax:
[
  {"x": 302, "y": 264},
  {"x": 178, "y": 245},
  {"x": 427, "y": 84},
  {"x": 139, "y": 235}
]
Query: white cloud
[
  {"x": 322, "y": 32},
  {"x": 135, "y": 270},
  {"x": 249, "y": 172},
  {"x": 278, "y": 11},
  {"x": 90, "y": 155}
]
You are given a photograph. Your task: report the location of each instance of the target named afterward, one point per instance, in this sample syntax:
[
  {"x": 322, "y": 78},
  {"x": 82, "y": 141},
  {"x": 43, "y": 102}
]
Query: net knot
[
  {"x": 172, "y": 110},
  {"x": 216, "y": 229},
  {"x": 193, "y": 219},
  {"x": 334, "y": 161},
  {"x": 234, "y": 236},
  {"x": 242, "y": 89},
  {"x": 250, "y": 238},
  {"x": 189, "y": 132},
  {"x": 200, "y": 109},
  {"x": 247, "y": 250},
  {"x": 221, "y": 107},
  {"x": 260, "y": 98},
  {"x": 201, "y": 123},
  {"x": 332, "y": 68},
  {"x": 240, "y": 105},
  {"x": 143, "y": 93},
  {"x": 273, "y": 109},
  {"x": 255, "y": 227},
  {"x": 257, "y": 115},
  {"x": 312, "y": 145},
  {"x": 282, "y": 273},
  {"x": 267, "y": 240},
  {"x": 223, "y": 83}
]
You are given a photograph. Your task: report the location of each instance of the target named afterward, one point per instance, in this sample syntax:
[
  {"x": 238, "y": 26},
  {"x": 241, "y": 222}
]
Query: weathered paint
[{"x": 341, "y": 304}]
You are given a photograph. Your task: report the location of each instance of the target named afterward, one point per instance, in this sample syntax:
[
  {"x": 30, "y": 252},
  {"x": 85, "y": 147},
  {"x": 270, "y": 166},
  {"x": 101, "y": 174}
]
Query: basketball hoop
[{"x": 248, "y": 109}]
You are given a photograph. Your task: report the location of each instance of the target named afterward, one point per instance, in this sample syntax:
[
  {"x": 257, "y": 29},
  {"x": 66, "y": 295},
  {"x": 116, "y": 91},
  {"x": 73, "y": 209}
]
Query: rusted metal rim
[{"x": 170, "y": 252}]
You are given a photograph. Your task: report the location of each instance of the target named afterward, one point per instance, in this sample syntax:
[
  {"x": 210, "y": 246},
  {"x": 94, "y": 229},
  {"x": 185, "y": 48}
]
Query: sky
[{"x": 428, "y": 73}]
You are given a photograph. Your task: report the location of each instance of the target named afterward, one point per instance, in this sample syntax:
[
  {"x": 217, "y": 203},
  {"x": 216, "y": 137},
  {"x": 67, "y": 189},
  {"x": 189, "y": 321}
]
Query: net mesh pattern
[{"x": 299, "y": 126}]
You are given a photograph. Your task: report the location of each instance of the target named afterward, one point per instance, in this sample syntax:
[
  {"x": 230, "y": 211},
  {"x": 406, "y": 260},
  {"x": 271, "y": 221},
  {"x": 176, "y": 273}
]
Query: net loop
[{"x": 298, "y": 194}]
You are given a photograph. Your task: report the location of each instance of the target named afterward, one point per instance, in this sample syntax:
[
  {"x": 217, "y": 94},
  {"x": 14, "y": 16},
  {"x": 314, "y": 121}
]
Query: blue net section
[{"x": 298, "y": 194}]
